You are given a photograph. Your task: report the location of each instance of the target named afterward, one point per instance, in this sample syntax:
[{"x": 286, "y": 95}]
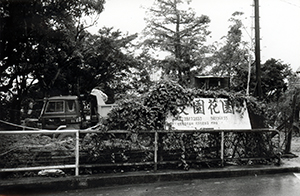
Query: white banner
[{"x": 210, "y": 113}]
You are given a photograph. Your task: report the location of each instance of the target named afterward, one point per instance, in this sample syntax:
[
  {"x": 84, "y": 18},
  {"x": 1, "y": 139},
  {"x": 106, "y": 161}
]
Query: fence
[{"x": 35, "y": 150}]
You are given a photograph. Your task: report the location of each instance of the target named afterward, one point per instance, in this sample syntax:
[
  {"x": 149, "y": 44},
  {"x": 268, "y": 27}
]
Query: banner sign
[{"x": 210, "y": 113}]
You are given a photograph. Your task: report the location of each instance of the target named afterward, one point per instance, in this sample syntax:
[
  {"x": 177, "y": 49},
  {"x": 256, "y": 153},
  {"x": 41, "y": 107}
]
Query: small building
[{"x": 211, "y": 82}]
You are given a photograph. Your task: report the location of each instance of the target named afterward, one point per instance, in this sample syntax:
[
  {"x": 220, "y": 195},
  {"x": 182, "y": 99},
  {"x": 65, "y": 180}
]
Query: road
[{"x": 279, "y": 184}]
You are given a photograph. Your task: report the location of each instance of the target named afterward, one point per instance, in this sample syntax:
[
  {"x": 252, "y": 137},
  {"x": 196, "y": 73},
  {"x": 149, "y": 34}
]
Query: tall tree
[
  {"x": 63, "y": 45},
  {"x": 108, "y": 61},
  {"x": 232, "y": 59},
  {"x": 37, "y": 40},
  {"x": 174, "y": 29},
  {"x": 232, "y": 56}
]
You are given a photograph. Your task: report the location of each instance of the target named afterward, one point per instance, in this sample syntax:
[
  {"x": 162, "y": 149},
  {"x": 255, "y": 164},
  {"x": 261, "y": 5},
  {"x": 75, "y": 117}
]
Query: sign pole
[
  {"x": 77, "y": 154},
  {"x": 155, "y": 150},
  {"x": 222, "y": 148}
]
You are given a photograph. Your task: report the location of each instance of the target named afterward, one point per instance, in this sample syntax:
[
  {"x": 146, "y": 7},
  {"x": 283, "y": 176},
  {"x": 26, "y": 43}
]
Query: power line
[{"x": 290, "y": 3}]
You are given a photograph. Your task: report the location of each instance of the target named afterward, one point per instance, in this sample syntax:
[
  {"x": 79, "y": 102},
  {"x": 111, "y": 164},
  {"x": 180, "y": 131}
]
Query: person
[{"x": 27, "y": 110}]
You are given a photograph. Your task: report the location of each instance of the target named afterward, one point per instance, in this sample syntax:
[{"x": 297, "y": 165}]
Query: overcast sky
[{"x": 279, "y": 22}]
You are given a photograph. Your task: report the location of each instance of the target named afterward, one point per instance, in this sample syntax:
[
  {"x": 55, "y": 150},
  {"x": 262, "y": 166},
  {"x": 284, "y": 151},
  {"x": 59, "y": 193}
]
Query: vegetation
[
  {"x": 139, "y": 117},
  {"x": 46, "y": 50},
  {"x": 173, "y": 29},
  {"x": 149, "y": 111},
  {"x": 40, "y": 41},
  {"x": 49, "y": 52}
]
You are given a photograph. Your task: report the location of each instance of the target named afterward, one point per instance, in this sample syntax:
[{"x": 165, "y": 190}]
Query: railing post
[
  {"x": 155, "y": 149},
  {"x": 222, "y": 148},
  {"x": 77, "y": 154}
]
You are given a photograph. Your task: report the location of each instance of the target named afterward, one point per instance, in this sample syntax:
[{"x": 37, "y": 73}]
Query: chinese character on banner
[
  {"x": 181, "y": 110},
  {"x": 198, "y": 107},
  {"x": 213, "y": 104},
  {"x": 227, "y": 107}
]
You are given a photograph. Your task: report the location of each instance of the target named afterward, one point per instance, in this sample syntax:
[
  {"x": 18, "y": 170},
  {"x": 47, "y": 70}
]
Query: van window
[
  {"x": 71, "y": 106},
  {"x": 55, "y": 106}
]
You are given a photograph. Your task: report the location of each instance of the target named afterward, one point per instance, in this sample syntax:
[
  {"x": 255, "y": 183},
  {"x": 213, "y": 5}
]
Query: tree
[
  {"x": 232, "y": 58},
  {"x": 61, "y": 49},
  {"x": 180, "y": 33},
  {"x": 108, "y": 62},
  {"x": 274, "y": 79},
  {"x": 37, "y": 40}
]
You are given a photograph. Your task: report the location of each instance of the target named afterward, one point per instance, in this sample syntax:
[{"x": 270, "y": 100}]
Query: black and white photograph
[{"x": 149, "y": 97}]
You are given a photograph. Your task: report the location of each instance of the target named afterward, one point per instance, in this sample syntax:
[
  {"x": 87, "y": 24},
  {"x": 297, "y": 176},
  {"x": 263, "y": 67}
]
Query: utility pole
[{"x": 258, "y": 90}]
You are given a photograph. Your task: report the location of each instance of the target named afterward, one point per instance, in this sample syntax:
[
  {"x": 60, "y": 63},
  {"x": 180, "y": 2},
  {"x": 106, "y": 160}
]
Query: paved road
[{"x": 273, "y": 185}]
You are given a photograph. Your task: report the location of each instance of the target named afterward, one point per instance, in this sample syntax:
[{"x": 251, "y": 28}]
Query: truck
[{"x": 74, "y": 112}]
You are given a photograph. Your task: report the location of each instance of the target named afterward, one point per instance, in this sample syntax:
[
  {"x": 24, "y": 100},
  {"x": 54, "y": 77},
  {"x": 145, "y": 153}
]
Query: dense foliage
[
  {"x": 181, "y": 34},
  {"x": 231, "y": 55},
  {"x": 149, "y": 111},
  {"x": 46, "y": 50},
  {"x": 139, "y": 116},
  {"x": 39, "y": 42},
  {"x": 232, "y": 58}
]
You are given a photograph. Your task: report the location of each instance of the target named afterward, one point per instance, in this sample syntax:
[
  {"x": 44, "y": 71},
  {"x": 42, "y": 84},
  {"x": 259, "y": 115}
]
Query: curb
[{"x": 41, "y": 184}]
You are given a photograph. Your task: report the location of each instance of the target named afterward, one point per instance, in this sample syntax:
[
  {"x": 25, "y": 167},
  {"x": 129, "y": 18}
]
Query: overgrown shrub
[{"x": 149, "y": 111}]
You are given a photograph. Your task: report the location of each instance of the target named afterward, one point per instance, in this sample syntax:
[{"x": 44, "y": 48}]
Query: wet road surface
[{"x": 273, "y": 185}]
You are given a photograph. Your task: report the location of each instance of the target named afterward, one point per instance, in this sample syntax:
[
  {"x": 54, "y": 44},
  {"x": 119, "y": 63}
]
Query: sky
[{"x": 279, "y": 22}]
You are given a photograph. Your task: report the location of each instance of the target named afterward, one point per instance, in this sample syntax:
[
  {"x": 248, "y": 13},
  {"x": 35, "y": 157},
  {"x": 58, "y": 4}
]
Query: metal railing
[
  {"x": 201, "y": 145},
  {"x": 47, "y": 132}
]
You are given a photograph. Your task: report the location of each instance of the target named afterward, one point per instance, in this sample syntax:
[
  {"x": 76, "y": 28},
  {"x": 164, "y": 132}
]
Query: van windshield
[{"x": 55, "y": 107}]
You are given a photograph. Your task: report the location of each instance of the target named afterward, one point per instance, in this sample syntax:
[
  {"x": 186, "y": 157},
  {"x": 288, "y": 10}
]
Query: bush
[{"x": 149, "y": 111}]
